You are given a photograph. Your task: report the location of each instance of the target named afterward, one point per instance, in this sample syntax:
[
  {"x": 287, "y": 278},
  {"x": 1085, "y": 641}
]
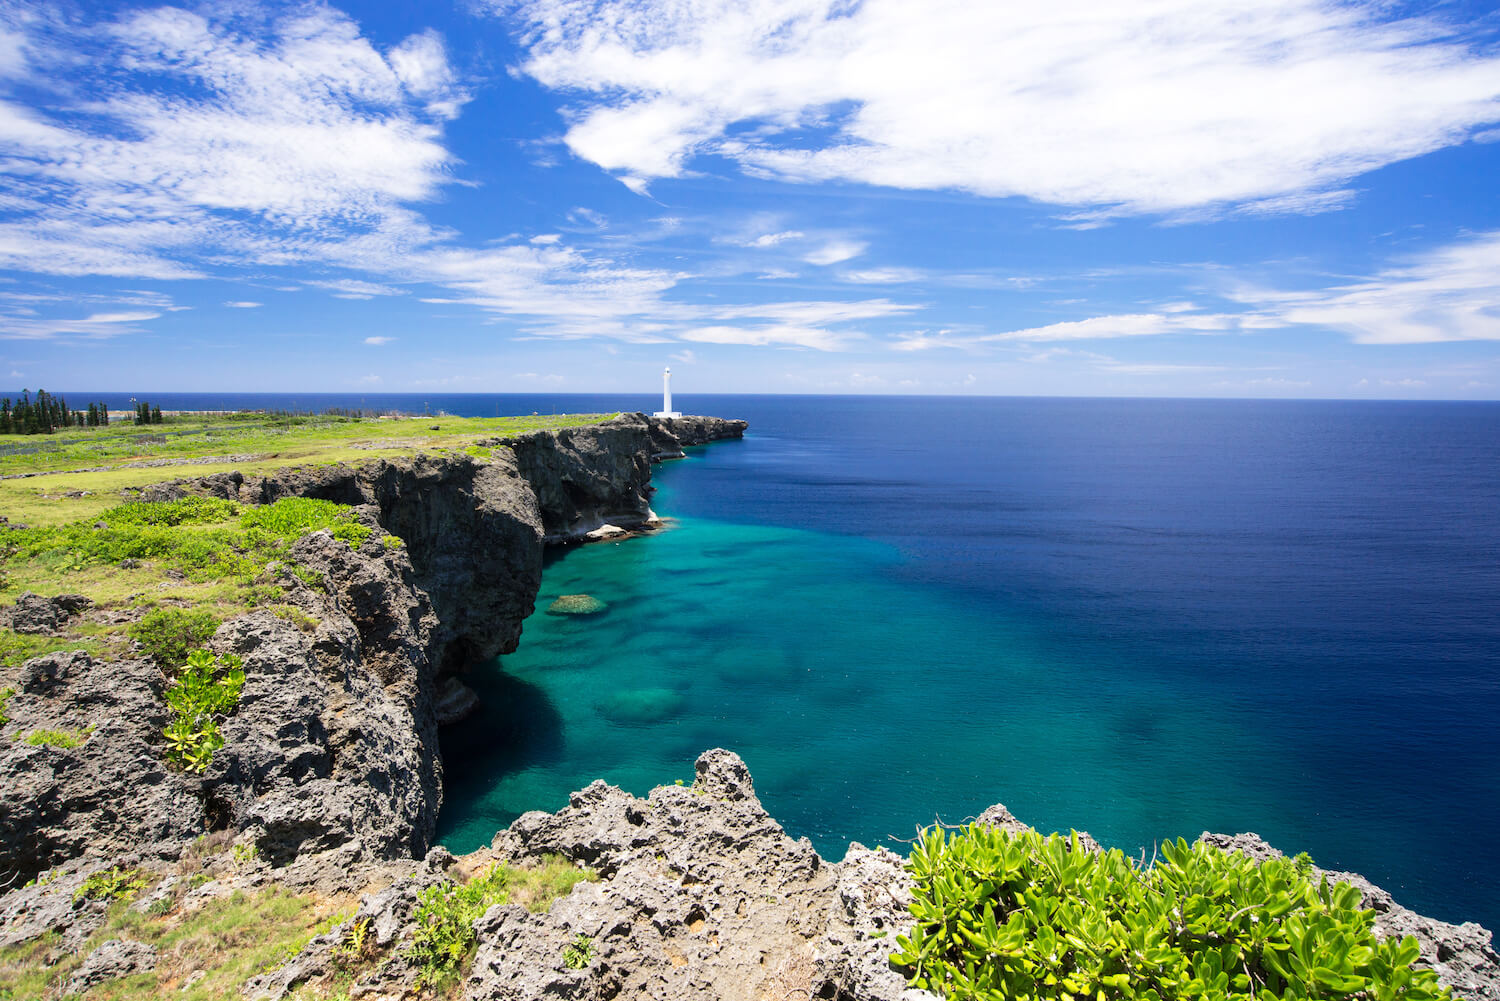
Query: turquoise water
[
  {"x": 1140, "y": 618},
  {"x": 864, "y": 706}
]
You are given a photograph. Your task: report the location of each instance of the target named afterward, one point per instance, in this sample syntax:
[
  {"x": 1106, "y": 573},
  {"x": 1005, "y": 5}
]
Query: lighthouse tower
[{"x": 666, "y": 396}]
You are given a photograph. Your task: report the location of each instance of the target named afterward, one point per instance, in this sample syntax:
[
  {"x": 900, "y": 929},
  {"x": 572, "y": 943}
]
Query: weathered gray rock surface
[{"x": 116, "y": 958}]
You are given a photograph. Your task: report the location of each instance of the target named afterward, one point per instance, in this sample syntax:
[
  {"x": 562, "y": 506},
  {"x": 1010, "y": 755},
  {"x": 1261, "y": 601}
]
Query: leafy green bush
[
  {"x": 1032, "y": 917},
  {"x": 5, "y": 694},
  {"x": 445, "y": 916},
  {"x": 206, "y": 690},
  {"x": 168, "y": 635},
  {"x": 58, "y": 738}
]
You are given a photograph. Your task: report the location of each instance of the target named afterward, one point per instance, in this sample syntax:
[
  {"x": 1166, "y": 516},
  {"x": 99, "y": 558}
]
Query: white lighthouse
[{"x": 666, "y": 396}]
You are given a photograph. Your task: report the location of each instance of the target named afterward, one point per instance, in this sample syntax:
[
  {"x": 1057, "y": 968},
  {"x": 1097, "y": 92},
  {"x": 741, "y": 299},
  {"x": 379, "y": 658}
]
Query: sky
[{"x": 1223, "y": 198}]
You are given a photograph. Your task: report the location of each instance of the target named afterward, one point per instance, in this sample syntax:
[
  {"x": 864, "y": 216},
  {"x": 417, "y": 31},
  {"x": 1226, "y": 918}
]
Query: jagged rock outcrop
[
  {"x": 38, "y": 615},
  {"x": 701, "y": 894},
  {"x": 111, "y": 794}
]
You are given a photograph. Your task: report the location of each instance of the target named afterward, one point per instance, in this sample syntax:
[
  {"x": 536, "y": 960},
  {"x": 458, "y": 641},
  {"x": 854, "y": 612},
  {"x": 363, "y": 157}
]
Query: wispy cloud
[
  {"x": 1161, "y": 107},
  {"x": 835, "y": 251},
  {"x": 213, "y": 144},
  {"x": 1448, "y": 294},
  {"x": 354, "y": 288},
  {"x": 243, "y": 304},
  {"x": 377, "y": 341}
]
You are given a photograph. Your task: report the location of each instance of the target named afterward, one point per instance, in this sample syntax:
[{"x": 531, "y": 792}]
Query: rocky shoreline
[{"x": 330, "y": 778}]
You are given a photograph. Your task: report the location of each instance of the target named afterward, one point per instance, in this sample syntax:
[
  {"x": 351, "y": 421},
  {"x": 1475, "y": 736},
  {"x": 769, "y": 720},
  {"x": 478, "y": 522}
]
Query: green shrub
[
  {"x": 107, "y": 884},
  {"x": 198, "y": 536},
  {"x": 5, "y": 695},
  {"x": 170, "y": 634},
  {"x": 1031, "y": 917},
  {"x": 206, "y": 690},
  {"x": 58, "y": 738}
]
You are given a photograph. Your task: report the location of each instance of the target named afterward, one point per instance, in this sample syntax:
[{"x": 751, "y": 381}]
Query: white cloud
[
  {"x": 772, "y": 239},
  {"x": 1448, "y": 294},
  {"x": 379, "y": 340},
  {"x": 192, "y": 142},
  {"x": 370, "y": 380},
  {"x": 835, "y": 251},
  {"x": 785, "y": 335},
  {"x": 686, "y": 356},
  {"x": 354, "y": 288},
  {"x": 1125, "y": 325},
  {"x": 21, "y": 326},
  {"x": 882, "y": 276},
  {"x": 232, "y": 141},
  {"x": 1154, "y": 106},
  {"x": 243, "y": 304}
]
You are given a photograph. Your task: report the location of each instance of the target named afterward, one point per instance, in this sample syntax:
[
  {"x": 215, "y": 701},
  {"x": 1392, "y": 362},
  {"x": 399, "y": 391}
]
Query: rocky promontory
[{"x": 333, "y": 747}]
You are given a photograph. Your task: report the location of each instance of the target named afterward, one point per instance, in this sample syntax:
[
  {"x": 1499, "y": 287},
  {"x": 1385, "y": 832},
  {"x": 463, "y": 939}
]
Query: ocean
[{"x": 1140, "y": 618}]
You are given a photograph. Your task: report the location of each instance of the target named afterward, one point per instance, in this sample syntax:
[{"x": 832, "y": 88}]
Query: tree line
[{"x": 45, "y": 413}]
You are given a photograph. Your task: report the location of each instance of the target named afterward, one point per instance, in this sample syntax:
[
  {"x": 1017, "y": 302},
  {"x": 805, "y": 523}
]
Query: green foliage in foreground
[
  {"x": 1016, "y": 917},
  {"x": 443, "y": 943},
  {"x": 168, "y": 635},
  {"x": 206, "y": 690},
  {"x": 203, "y": 538},
  {"x": 5, "y": 694}
]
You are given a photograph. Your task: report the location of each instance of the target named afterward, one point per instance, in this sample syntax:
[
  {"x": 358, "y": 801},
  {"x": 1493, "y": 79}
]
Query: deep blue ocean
[{"x": 1140, "y": 618}]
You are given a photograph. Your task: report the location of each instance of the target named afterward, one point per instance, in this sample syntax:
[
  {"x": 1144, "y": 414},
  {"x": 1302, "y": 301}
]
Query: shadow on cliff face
[{"x": 515, "y": 727}]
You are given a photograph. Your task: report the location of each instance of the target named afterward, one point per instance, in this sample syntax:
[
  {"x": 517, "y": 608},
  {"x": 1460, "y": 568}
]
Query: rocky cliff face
[{"x": 333, "y": 748}]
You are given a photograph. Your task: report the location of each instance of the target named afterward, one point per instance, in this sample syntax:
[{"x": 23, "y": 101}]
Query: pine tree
[{"x": 156, "y": 415}]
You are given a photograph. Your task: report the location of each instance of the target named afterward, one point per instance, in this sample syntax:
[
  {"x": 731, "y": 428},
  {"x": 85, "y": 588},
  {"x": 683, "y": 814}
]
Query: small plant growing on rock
[
  {"x": 578, "y": 953},
  {"x": 244, "y": 855},
  {"x": 207, "y": 689},
  {"x": 107, "y": 884},
  {"x": 296, "y": 617},
  {"x": 445, "y": 917},
  {"x": 5, "y": 695}
]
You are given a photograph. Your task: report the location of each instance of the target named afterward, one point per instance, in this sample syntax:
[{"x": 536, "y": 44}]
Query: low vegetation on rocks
[
  {"x": 1001, "y": 915},
  {"x": 443, "y": 942}
]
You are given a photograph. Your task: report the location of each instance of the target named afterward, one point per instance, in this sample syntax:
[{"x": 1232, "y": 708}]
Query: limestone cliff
[{"x": 333, "y": 748}]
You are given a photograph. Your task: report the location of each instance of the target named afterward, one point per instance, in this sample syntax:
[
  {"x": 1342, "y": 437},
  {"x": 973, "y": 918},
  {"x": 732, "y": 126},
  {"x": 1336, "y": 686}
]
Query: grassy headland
[{"x": 82, "y": 534}]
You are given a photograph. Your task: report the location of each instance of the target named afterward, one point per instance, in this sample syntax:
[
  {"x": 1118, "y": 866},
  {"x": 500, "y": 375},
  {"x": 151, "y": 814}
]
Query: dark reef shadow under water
[{"x": 517, "y": 727}]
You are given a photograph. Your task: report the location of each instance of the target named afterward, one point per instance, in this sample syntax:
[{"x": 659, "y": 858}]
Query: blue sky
[{"x": 1166, "y": 197}]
